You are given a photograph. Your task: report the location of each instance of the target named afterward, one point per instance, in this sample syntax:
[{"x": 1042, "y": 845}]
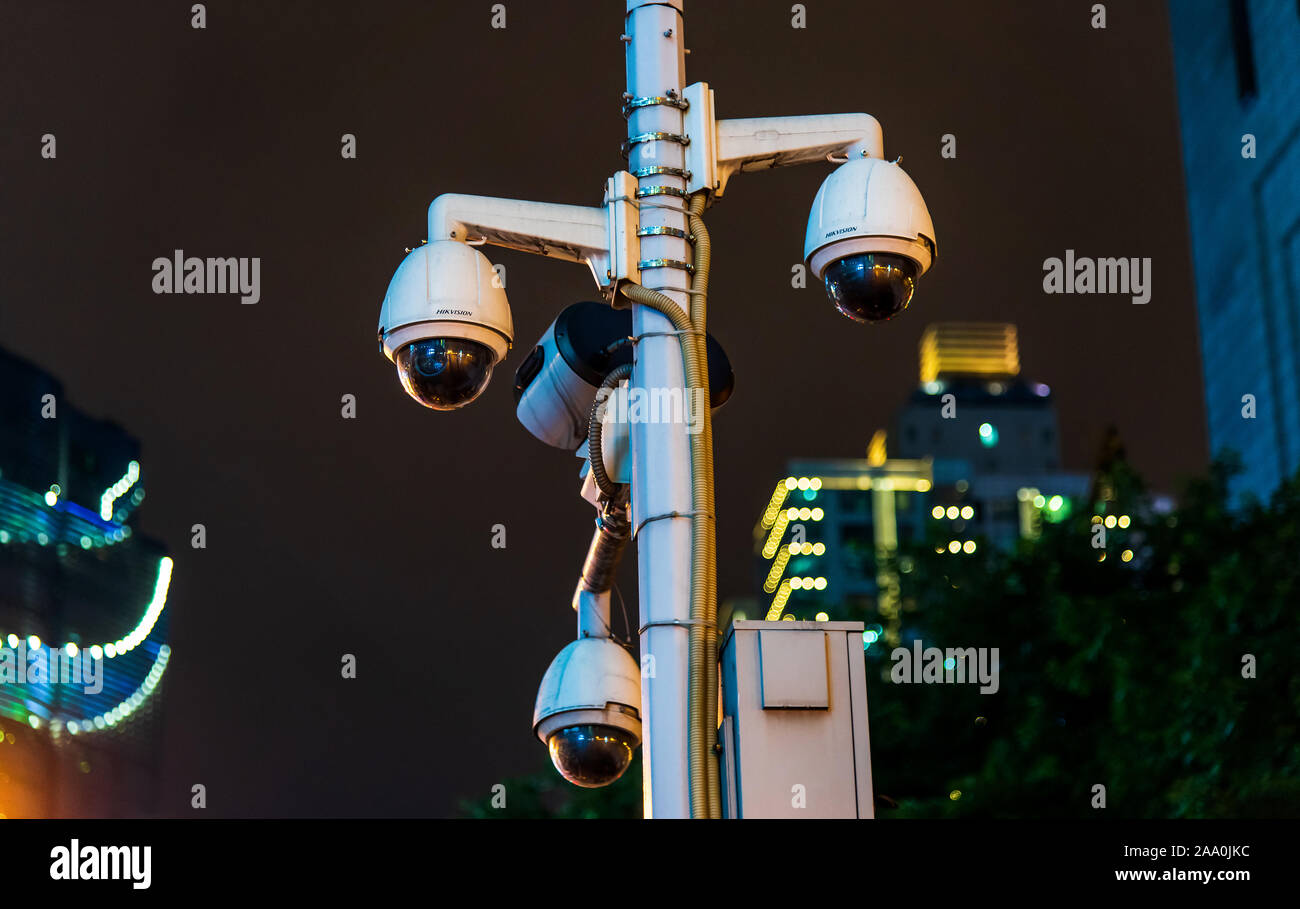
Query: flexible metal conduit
[
  {"x": 613, "y": 530},
  {"x": 702, "y": 681},
  {"x": 595, "y": 429}
]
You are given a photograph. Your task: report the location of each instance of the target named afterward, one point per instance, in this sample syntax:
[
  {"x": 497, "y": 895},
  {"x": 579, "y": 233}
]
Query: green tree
[{"x": 1121, "y": 672}]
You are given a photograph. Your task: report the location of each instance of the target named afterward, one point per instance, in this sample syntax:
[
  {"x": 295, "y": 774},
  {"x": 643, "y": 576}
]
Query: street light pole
[
  {"x": 661, "y": 459},
  {"x": 445, "y": 323}
]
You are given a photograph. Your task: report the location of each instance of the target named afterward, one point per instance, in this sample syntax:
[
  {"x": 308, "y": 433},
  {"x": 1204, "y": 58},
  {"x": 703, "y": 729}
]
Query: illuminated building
[
  {"x": 976, "y": 463},
  {"x": 1238, "y": 77},
  {"x": 79, "y": 588},
  {"x": 972, "y": 405}
]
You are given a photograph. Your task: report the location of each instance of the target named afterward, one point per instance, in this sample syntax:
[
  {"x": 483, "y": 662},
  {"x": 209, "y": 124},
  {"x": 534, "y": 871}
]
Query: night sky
[{"x": 372, "y": 536}]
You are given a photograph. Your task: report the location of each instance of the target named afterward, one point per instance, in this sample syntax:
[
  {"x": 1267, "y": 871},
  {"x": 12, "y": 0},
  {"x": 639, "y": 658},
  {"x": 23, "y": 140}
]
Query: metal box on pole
[{"x": 794, "y": 735}]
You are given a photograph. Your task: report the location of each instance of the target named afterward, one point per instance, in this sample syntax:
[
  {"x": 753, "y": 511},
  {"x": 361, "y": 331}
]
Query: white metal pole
[{"x": 661, "y": 455}]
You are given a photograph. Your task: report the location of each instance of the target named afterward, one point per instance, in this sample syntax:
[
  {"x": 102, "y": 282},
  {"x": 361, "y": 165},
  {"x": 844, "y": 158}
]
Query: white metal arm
[
  {"x": 719, "y": 149},
  {"x": 574, "y": 233}
]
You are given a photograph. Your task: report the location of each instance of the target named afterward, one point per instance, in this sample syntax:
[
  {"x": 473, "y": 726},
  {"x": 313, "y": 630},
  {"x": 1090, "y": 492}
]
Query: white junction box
[{"x": 794, "y": 726}]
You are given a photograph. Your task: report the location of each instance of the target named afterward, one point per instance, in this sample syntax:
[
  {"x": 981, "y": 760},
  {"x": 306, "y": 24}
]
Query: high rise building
[
  {"x": 1238, "y": 75},
  {"x": 82, "y": 619},
  {"x": 973, "y": 460}
]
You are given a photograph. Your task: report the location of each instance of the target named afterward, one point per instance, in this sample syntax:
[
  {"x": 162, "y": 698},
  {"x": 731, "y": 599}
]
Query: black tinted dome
[
  {"x": 591, "y": 755},
  {"x": 871, "y": 287},
  {"x": 444, "y": 373}
]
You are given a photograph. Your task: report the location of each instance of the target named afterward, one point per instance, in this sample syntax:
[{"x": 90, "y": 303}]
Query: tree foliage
[{"x": 1124, "y": 674}]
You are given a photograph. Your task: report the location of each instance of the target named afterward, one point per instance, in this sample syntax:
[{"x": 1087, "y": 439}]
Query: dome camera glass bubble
[
  {"x": 871, "y": 287},
  {"x": 591, "y": 755},
  {"x": 444, "y": 373}
]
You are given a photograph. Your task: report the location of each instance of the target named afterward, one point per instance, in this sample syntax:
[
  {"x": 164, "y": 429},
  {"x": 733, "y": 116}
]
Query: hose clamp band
[
  {"x": 658, "y": 136},
  {"x": 665, "y": 232},
  {"x": 632, "y": 104},
  {"x": 658, "y": 169},
  {"x": 644, "y": 191},
  {"x": 665, "y": 263}
]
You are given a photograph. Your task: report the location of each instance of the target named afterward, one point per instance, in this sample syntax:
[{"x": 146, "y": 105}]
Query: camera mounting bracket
[
  {"x": 720, "y": 149},
  {"x": 603, "y": 237}
]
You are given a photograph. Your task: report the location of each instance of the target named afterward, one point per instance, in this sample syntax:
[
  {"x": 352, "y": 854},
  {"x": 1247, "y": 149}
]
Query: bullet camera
[
  {"x": 556, "y": 383},
  {"x": 586, "y": 711},
  {"x": 445, "y": 323},
  {"x": 870, "y": 238}
]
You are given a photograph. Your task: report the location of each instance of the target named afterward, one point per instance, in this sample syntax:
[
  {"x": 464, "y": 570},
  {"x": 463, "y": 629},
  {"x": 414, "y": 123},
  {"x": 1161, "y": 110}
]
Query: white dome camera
[
  {"x": 586, "y": 711},
  {"x": 870, "y": 238},
  {"x": 446, "y": 323}
]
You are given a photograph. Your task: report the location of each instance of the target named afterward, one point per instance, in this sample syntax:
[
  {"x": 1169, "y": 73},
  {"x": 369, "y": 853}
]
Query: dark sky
[{"x": 372, "y": 536}]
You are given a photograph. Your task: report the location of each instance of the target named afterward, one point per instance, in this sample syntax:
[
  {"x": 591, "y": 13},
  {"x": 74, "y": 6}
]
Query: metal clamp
[
  {"x": 666, "y": 263},
  {"x": 645, "y": 191},
  {"x": 662, "y": 169},
  {"x": 632, "y": 104},
  {"x": 665, "y": 231},
  {"x": 653, "y": 137}
]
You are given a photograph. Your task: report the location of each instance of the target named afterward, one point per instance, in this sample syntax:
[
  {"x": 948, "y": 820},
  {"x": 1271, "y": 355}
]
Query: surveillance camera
[
  {"x": 587, "y": 712},
  {"x": 446, "y": 323},
  {"x": 870, "y": 238},
  {"x": 556, "y": 383}
]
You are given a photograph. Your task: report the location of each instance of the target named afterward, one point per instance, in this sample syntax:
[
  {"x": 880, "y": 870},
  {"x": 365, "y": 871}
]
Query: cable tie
[
  {"x": 680, "y": 623},
  {"x": 636, "y": 339},
  {"x": 666, "y": 515}
]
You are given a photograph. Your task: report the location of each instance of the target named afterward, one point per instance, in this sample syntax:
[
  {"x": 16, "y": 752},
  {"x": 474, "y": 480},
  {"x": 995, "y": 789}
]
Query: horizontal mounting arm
[
  {"x": 574, "y": 233},
  {"x": 720, "y": 149}
]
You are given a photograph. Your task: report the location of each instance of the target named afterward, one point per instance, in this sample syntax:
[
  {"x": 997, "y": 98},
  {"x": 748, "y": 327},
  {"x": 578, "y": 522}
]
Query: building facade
[
  {"x": 83, "y": 627},
  {"x": 976, "y": 463},
  {"x": 1238, "y": 75}
]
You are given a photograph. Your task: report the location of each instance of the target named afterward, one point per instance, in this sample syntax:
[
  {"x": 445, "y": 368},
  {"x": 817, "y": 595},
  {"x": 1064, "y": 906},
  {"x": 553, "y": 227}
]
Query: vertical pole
[{"x": 661, "y": 455}]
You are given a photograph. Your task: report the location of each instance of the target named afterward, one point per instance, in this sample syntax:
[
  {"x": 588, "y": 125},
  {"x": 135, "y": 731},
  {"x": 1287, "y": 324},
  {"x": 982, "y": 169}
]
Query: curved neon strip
[
  {"x": 137, "y": 635},
  {"x": 142, "y": 629},
  {"x": 117, "y": 490},
  {"x": 130, "y": 705}
]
